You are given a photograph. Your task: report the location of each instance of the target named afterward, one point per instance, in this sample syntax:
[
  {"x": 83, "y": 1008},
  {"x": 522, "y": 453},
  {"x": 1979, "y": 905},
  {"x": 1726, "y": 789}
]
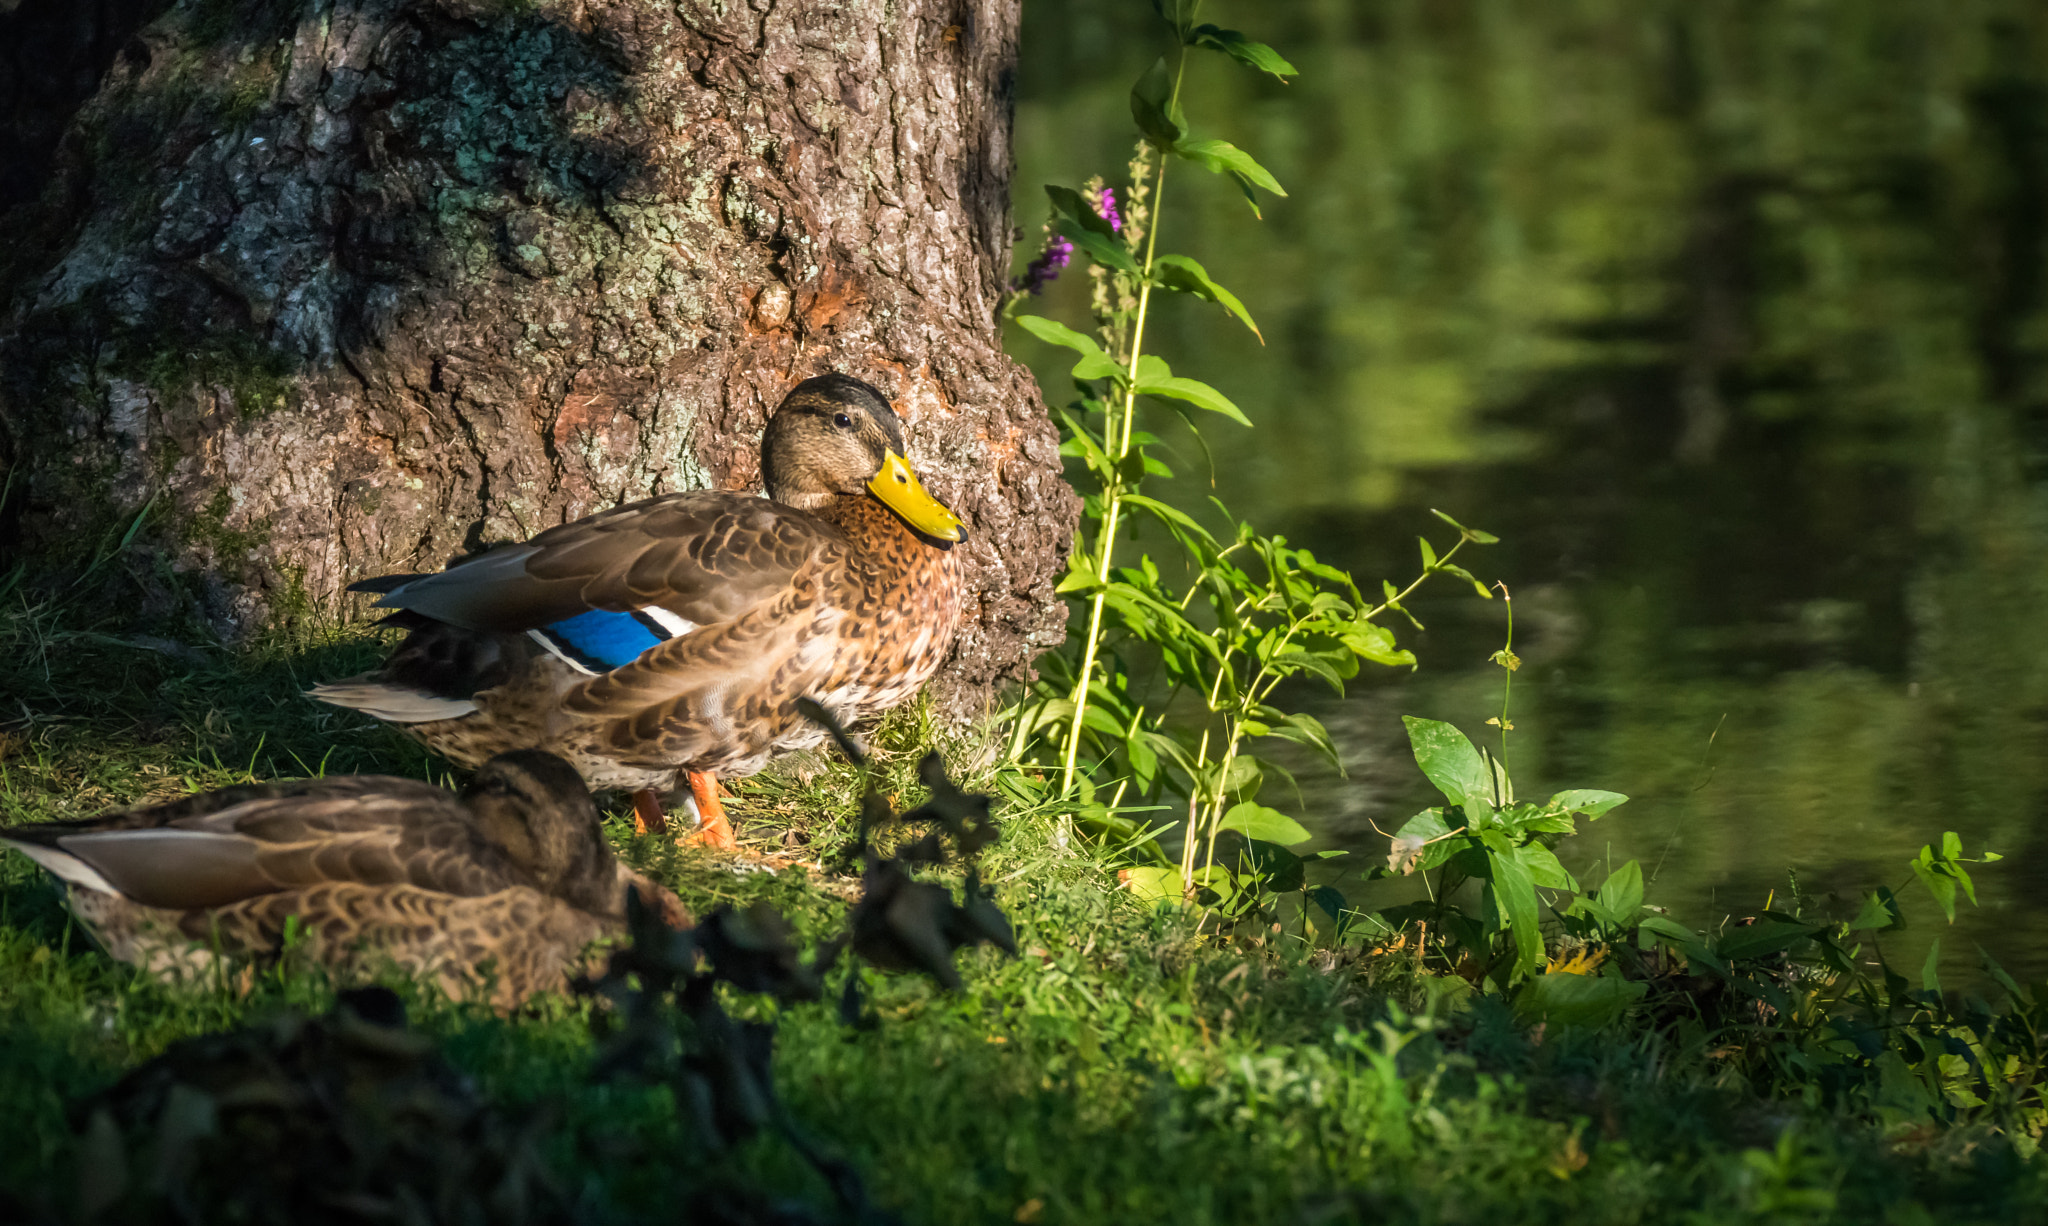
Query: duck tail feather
[
  {"x": 382, "y": 585},
  {"x": 395, "y": 704}
]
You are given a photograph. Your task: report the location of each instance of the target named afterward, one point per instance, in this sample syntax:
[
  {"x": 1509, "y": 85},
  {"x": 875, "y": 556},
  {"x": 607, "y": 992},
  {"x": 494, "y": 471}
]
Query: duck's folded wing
[
  {"x": 687, "y": 560},
  {"x": 194, "y": 854}
]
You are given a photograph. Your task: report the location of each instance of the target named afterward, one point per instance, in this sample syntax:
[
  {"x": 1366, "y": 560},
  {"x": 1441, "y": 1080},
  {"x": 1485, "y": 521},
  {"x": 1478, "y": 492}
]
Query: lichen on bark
[{"x": 360, "y": 284}]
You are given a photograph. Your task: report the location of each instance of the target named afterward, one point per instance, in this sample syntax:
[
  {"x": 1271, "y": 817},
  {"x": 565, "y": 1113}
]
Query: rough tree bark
[{"x": 338, "y": 287}]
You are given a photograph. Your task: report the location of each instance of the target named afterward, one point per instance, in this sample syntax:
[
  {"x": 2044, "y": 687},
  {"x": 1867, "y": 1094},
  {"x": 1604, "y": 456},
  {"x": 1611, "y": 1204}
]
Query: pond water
[{"x": 1730, "y": 319}]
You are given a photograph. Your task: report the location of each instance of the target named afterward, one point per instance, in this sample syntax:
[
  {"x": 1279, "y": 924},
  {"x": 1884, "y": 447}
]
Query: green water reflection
[{"x": 1729, "y": 318}]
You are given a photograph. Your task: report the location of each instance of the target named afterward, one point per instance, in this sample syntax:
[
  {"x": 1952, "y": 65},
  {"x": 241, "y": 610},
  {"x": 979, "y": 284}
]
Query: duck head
[
  {"x": 535, "y": 806},
  {"x": 834, "y": 436}
]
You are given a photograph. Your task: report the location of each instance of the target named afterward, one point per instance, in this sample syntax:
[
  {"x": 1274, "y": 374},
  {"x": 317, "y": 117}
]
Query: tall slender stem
[{"x": 1117, "y": 431}]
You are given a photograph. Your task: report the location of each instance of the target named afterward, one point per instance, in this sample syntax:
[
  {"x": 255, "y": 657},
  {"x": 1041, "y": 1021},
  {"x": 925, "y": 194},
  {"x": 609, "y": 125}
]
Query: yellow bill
[{"x": 900, "y": 491}]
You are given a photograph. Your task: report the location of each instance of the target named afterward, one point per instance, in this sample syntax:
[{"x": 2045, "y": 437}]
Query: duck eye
[{"x": 842, "y": 421}]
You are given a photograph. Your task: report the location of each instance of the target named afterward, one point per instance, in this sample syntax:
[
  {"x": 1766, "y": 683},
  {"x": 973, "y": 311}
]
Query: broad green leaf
[
  {"x": 1277, "y": 869},
  {"x": 1453, "y": 765},
  {"x": 1331, "y": 903},
  {"x": 1564, "y": 999},
  {"x": 1937, "y": 877},
  {"x": 1880, "y": 912},
  {"x": 1052, "y": 331},
  {"x": 1622, "y": 893},
  {"x": 1590, "y": 801},
  {"x": 1256, "y": 821},
  {"x": 1152, "y": 106},
  {"x": 1222, "y": 157},
  {"x": 1235, "y": 45},
  {"x": 1180, "y": 14},
  {"x": 1196, "y": 393},
  {"x": 1765, "y": 937},
  {"x": 1659, "y": 930},
  {"x": 1420, "y": 845},
  {"x": 1515, "y": 896},
  {"x": 1544, "y": 870},
  {"x": 1154, "y": 883},
  {"x": 1100, "y": 248},
  {"x": 1376, "y": 643},
  {"x": 1178, "y": 272}
]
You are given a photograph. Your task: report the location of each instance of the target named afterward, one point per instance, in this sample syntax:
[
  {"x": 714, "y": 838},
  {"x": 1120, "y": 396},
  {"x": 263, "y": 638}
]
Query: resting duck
[
  {"x": 666, "y": 642},
  {"x": 507, "y": 883}
]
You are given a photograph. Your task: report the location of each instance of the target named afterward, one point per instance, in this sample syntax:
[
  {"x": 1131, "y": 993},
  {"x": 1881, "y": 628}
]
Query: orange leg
[
  {"x": 712, "y": 828},
  {"x": 647, "y": 815}
]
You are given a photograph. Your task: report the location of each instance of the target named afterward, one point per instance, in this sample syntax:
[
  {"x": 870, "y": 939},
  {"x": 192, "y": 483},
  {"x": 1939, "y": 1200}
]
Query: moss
[
  {"x": 255, "y": 376},
  {"x": 231, "y": 547}
]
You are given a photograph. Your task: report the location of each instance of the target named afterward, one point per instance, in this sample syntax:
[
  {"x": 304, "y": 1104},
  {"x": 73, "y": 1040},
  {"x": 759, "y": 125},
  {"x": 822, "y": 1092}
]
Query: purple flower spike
[
  {"x": 1107, "y": 210},
  {"x": 1057, "y": 254}
]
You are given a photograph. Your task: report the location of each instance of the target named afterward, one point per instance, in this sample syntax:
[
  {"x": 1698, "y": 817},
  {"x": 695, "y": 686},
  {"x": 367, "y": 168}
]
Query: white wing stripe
[
  {"x": 557, "y": 652},
  {"x": 676, "y": 626}
]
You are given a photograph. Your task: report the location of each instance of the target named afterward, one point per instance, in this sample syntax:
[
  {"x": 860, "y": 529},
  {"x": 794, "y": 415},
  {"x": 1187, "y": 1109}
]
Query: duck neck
[{"x": 873, "y": 526}]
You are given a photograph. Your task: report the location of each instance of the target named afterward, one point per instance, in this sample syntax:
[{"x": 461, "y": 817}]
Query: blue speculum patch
[{"x": 604, "y": 640}]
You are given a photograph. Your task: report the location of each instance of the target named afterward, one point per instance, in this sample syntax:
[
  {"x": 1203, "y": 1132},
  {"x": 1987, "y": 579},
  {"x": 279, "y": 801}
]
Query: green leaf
[
  {"x": 1453, "y": 765},
  {"x": 1256, "y": 821},
  {"x": 1195, "y": 392},
  {"x": 1171, "y": 514},
  {"x": 1376, "y": 643},
  {"x": 1331, "y": 903},
  {"x": 1420, "y": 845},
  {"x": 1590, "y": 801},
  {"x": 1683, "y": 939},
  {"x": 1104, "y": 251},
  {"x": 1472, "y": 534},
  {"x": 1930, "y": 970},
  {"x": 1235, "y": 45},
  {"x": 1936, "y": 876},
  {"x": 1154, "y": 883},
  {"x": 1621, "y": 895},
  {"x": 1055, "y": 332},
  {"x": 1760, "y": 940},
  {"x": 1589, "y": 1001},
  {"x": 1880, "y": 912},
  {"x": 1180, "y": 14},
  {"x": 1222, "y": 157},
  {"x": 1152, "y": 106},
  {"x": 1448, "y": 568},
  {"x": 1178, "y": 272},
  {"x": 1515, "y": 896},
  {"x": 1544, "y": 869},
  {"x": 1073, "y": 206},
  {"x": 1277, "y": 869}
]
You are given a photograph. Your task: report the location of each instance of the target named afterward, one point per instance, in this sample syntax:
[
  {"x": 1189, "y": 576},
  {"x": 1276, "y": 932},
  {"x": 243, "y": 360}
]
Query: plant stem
[{"x": 1118, "y": 426}]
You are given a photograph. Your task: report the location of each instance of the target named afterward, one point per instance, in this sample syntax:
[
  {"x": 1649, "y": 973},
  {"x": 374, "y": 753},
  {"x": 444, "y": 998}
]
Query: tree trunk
[{"x": 321, "y": 290}]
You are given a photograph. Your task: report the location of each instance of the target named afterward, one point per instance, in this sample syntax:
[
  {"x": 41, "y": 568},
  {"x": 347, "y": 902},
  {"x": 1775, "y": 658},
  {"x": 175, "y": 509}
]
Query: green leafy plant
[
  {"x": 1488, "y": 837},
  {"x": 1169, "y": 685}
]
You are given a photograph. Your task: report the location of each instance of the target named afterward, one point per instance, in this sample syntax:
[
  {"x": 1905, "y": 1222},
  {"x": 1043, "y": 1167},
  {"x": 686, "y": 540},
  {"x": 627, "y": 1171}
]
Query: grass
[{"x": 1124, "y": 1068}]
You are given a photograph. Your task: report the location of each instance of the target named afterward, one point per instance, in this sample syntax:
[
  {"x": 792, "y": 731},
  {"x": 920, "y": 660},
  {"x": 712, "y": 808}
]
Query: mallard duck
[
  {"x": 509, "y": 881},
  {"x": 663, "y": 643}
]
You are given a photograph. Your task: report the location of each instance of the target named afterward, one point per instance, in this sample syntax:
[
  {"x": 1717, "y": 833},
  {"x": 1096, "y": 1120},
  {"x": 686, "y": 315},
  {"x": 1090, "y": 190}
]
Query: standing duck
[
  {"x": 506, "y": 883},
  {"x": 663, "y": 643}
]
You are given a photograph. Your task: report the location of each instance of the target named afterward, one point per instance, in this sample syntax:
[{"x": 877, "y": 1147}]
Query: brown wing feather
[
  {"x": 706, "y": 556},
  {"x": 721, "y": 685},
  {"x": 198, "y": 853}
]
